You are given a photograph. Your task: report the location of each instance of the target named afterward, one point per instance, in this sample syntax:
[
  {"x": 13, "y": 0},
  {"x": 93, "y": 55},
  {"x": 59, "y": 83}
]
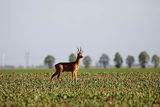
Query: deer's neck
[{"x": 78, "y": 61}]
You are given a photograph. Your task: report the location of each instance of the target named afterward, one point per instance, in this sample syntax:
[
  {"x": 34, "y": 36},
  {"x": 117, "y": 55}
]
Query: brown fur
[{"x": 69, "y": 66}]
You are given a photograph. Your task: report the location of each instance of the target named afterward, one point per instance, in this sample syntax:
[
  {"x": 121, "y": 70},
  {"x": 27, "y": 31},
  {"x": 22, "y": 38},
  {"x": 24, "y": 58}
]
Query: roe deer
[{"x": 69, "y": 66}]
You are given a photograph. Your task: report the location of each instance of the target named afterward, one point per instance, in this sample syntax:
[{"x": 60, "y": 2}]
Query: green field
[{"x": 95, "y": 87}]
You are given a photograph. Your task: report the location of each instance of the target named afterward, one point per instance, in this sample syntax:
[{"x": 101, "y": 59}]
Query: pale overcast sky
[{"x": 58, "y": 27}]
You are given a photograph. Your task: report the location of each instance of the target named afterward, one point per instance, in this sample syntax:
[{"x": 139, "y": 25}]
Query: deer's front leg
[
  {"x": 72, "y": 75},
  {"x": 75, "y": 75}
]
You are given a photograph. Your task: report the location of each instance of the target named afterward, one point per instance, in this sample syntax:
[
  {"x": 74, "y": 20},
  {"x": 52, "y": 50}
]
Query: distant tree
[
  {"x": 87, "y": 61},
  {"x": 143, "y": 59},
  {"x": 155, "y": 60},
  {"x": 72, "y": 57},
  {"x": 49, "y": 60},
  {"x": 129, "y": 61},
  {"x": 118, "y": 60},
  {"x": 104, "y": 60}
]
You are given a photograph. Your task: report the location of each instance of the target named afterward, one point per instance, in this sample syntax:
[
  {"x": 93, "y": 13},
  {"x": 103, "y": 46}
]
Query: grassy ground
[{"x": 95, "y": 87}]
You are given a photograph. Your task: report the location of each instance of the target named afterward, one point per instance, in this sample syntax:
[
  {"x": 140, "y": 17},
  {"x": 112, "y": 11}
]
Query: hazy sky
[{"x": 58, "y": 27}]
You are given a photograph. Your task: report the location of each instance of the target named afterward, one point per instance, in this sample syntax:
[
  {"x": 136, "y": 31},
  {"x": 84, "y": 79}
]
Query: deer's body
[{"x": 68, "y": 67}]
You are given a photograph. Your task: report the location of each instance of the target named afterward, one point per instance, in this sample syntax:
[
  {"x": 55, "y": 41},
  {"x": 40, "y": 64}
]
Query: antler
[
  {"x": 78, "y": 50},
  {"x": 81, "y": 49}
]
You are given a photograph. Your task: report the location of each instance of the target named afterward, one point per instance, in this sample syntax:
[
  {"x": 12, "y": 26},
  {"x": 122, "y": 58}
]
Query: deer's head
[{"x": 79, "y": 53}]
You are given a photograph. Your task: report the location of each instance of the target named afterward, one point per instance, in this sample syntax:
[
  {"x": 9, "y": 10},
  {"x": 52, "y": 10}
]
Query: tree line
[{"x": 104, "y": 60}]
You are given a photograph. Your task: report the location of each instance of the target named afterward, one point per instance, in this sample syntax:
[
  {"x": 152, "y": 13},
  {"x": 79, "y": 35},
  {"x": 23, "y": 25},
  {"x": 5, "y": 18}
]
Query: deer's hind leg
[
  {"x": 59, "y": 69},
  {"x": 59, "y": 73},
  {"x": 56, "y": 73}
]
